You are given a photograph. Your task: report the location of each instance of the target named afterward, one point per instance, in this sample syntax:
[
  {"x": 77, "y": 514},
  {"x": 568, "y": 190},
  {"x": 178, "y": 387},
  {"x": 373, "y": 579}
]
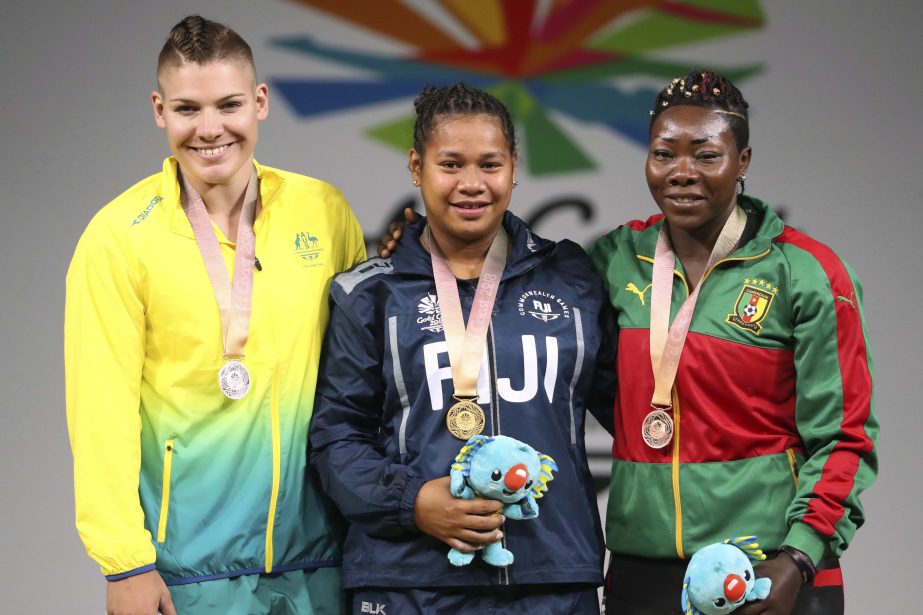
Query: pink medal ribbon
[
  {"x": 466, "y": 345},
  {"x": 667, "y": 341},
  {"x": 234, "y": 298}
]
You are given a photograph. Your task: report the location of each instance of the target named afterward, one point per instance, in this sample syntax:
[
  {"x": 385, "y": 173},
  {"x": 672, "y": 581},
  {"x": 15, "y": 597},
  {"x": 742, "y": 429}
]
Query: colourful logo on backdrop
[{"x": 579, "y": 58}]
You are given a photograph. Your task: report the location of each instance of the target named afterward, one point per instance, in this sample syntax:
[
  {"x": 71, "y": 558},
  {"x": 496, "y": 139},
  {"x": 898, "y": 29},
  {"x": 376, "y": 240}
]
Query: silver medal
[{"x": 234, "y": 379}]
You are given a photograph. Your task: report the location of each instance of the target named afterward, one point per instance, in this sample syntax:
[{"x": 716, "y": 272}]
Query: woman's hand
[
  {"x": 392, "y": 236},
  {"x": 142, "y": 594},
  {"x": 786, "y": 583},
  {"x": 465, "y": 525}
]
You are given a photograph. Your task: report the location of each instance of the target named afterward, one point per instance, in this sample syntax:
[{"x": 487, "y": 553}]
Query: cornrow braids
[
  {"x": 711, "y": 91},
  {"x": 199, "y": 41},
  {"x": 457, "y": 99}
]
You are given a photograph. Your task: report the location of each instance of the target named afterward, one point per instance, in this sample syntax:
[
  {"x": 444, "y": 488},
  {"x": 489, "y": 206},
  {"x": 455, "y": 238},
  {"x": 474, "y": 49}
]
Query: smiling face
[
  {"x": 692, "y": 168},
  {"x": 465, "y": 176},
  {"x": 211, "y": 113}
]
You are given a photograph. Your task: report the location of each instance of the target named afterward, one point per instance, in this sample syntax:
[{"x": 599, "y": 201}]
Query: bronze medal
[
  {"x": 465, "y": 419},
  {"x": 657, "y": 428}
]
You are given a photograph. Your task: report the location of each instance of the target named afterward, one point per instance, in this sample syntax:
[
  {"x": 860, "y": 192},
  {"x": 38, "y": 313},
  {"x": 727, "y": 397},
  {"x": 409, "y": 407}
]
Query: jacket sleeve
[
  {"x": 605, "y": 380},
  {"x": 355, "y": 251},
  {"x": 833, "y": 407},
  {"x": 104, "y": 330},
  {"x": 603, "y": 256},
  {"x": 601, "y": 395},
  {"x": 373, "y": 490}
]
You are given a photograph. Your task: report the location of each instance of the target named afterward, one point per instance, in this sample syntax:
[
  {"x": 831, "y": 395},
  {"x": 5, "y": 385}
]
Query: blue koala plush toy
[
  {"x": 719, "y": 577},
  {"x": 505, "y": 469}
]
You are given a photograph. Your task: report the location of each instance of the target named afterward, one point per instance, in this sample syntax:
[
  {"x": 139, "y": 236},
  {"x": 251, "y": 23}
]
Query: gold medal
[
  {"x": 657, "y": 428},
  {"x": 465, "y": 419}
]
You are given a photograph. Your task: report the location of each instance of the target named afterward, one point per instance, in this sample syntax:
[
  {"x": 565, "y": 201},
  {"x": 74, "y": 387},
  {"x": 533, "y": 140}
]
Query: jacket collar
[
  {"x": 526, "y": 249},
  {"x": 270, "y": 184},
  {"x": 769, "y": 228}
]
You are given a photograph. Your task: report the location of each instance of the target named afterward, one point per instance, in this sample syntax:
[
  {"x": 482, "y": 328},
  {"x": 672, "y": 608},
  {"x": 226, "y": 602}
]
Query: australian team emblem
[
  {"x": 307, "y": 247},
  {"x": 752, "y": 305}
]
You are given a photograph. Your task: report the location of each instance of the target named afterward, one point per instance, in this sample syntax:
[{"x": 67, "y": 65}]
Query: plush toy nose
[
  {"x": 516, "y": 477},
  {"x": 734, "y": 587}
]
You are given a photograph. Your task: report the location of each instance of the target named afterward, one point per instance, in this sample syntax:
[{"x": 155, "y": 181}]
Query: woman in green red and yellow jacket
[{"x": 770, "y": 410}]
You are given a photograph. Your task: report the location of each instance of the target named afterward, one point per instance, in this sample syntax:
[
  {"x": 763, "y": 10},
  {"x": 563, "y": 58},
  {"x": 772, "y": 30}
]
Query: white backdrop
[{"x": 835, "y": 132}]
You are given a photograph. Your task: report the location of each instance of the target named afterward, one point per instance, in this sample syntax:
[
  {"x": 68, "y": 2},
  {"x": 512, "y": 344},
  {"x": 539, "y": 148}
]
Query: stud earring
[
  {"x": 515, "y": 183},
  {"x": 416, "y": 183}
]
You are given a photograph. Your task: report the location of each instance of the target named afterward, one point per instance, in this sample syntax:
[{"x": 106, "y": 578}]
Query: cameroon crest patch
[{"x": 752, "y": 305}]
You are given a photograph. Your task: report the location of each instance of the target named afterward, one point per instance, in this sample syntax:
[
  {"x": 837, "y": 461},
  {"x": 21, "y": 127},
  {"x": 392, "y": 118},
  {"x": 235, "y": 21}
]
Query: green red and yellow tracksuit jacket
[
  {"x": 168, "y": 472},
  {"x": 774, "y": 427}
]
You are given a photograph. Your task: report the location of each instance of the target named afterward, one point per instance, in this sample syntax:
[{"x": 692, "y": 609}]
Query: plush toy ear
[
  {"x": 456, "y": 481},
  {"x": 748, "y": 545},
  {"x": 461, "y": 468},
  {"x": 688, "y": 609},
  {"x": 463, "y": 459},
  {"x": 544, "y": 476}
]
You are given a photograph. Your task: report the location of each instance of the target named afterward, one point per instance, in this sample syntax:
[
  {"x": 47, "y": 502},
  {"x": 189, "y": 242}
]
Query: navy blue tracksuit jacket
[{"x": 379, "y": 431}]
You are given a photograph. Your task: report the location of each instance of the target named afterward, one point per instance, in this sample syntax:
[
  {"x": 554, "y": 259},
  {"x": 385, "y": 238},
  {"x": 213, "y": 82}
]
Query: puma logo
[
  {"x": 634, "y": 289},
  {"x": 847, "y": 299}
]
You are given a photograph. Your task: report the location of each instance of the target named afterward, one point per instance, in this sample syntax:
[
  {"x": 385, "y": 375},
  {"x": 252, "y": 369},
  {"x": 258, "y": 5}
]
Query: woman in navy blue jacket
[{"x": 379, "y": 437}]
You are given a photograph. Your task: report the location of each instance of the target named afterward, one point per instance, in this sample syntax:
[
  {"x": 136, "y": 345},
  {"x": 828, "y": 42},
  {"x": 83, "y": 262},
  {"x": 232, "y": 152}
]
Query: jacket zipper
[
  {"x": 165, "y": 491},
  {"x": 494, "y": 396},
  {"x": 792, "y": 465},
  {"x": 677, "y": 500},
  {"x": 502, "y": 573},
  {"x": 276, "y": 469}
]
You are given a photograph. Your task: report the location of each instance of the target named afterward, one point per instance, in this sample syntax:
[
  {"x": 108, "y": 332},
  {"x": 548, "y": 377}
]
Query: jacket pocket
[{"x": 165, "y": 491}]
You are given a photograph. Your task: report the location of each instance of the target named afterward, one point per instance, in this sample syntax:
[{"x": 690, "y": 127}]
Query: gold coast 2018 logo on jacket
[{"x": 752, "y": 305}]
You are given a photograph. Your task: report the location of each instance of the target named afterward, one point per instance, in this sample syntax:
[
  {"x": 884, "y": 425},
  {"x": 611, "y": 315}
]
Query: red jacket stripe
[
  {"x": 831, "y": 577},
  {"x": 838, "y": 475}
]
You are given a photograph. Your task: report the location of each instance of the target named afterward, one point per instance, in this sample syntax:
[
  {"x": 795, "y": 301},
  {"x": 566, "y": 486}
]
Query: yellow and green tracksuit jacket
[
  {"x": 774, "y": 427},
  {"x": 168, "y": 472}
]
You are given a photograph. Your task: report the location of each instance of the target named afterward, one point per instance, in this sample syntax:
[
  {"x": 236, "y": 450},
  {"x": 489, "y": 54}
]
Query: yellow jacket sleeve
[
  {"x": 357, "y": 244},
  {"x": 104, "y": 336}
]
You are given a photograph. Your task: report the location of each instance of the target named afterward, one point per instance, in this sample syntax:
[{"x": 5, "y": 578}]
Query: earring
[
  {"x": 515, "y": 183},
  {"x": 740, "y": 183},
  {"x": 416, "y": 183}
]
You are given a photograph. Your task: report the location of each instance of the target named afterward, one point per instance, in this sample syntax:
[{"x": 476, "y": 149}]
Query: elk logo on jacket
[{"x": 752, "y": 305}]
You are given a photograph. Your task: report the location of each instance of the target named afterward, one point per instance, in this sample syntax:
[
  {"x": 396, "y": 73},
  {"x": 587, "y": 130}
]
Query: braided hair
[
  {"x": 711, "y": 91},
  {"x": 458, "y": 99},
  {"x": 199, "y": 41}
]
